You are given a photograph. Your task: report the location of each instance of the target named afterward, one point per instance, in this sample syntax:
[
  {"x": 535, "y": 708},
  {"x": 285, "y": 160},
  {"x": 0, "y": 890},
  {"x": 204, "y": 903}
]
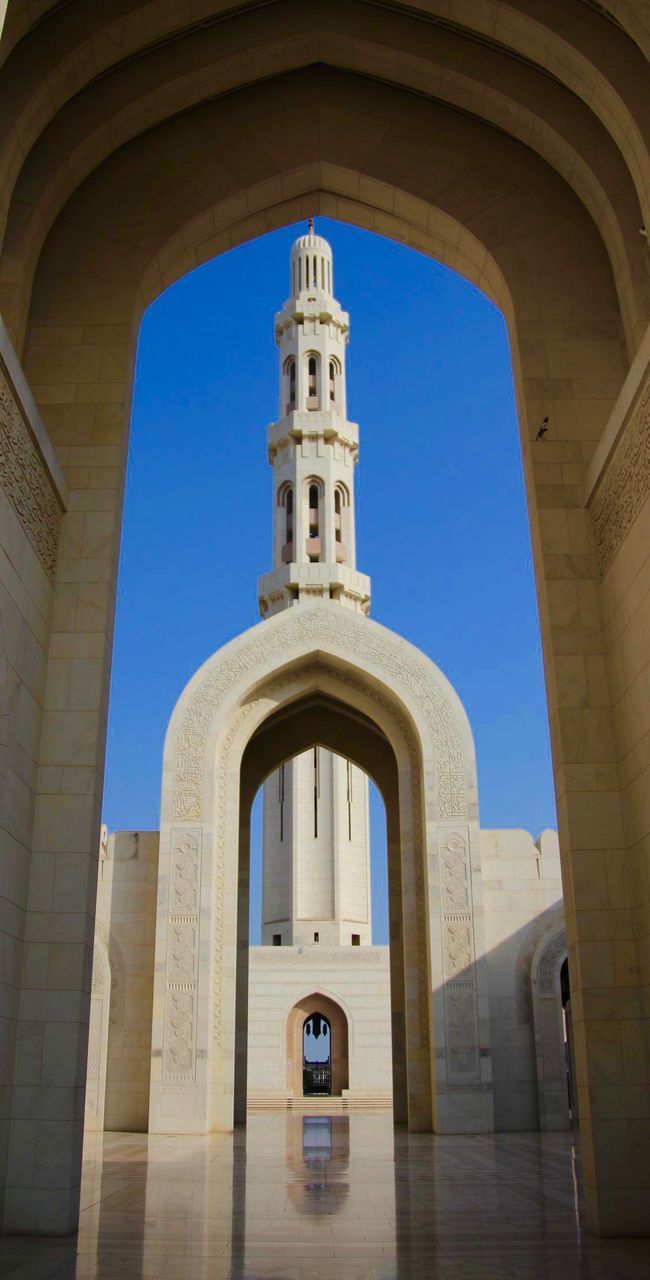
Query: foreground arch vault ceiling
[{"x": 508, "y": 140}]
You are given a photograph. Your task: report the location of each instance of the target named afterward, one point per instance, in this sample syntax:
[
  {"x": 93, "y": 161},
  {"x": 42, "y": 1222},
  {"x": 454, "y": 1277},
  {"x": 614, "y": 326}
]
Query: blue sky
[{"x": 442, "y": 527}]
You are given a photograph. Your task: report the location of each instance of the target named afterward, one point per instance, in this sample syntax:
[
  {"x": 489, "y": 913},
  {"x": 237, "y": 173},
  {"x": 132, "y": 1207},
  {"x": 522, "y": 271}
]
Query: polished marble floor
[{"x": 346, "y": 1197}]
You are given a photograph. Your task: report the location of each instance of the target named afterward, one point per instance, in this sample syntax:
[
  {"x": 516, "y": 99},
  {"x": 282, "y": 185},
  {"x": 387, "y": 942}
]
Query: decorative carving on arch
[
  {"x": 549, "y": 1031},
  {"x": 548, "y": 965},
  {"x": 26, "y": 483},
  {"x": 364, "y": 643},
  {"x": 625, "y": 484}
]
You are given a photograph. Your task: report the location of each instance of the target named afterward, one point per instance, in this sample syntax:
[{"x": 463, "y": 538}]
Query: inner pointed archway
[
  {"x": 319, "y": 719},
  {"x": 317, "y": 1066}
]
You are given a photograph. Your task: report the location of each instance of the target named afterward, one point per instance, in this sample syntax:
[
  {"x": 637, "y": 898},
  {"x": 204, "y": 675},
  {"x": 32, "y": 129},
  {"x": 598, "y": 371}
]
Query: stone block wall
[
  {"x": 126, "y": 927},
  {"x": 522, "y": 901},
  {"x": 356, "y": 978},
  {"x": 31, "y": 502}
]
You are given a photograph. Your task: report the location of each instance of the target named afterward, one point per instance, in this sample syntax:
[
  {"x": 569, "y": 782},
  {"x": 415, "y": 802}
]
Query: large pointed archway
[
  {"x": 319, "y": 673},
  {"x": 503, "y": 140}
]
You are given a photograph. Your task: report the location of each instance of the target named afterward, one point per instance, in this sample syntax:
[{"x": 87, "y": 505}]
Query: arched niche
[
  {"x": 322, "y": 674},
  {"x": 552, "y": 1093},
  {"x": 331, "y": 1009}
]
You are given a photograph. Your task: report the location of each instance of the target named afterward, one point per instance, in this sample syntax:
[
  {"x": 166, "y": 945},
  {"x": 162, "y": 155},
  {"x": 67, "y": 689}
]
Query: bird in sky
[{"x": 543, "y": 428}]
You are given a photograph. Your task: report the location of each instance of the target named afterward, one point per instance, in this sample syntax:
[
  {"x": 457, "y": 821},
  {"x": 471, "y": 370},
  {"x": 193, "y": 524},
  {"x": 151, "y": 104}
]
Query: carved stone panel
[
  {"x": 179, "y": 1043},
  {"x": 26, "y": 482},
  {"x": 185, "y": 873},
  {"x": 458, "y": 958},
  {"x": 549, "y": 963},
  {"x": 625, "y": 484},
  {"x": 178, "y": 1059}
]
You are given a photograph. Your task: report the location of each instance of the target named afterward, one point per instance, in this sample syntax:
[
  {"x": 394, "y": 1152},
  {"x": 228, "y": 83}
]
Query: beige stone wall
[
  {"x": 30, "y": 512},
  {"x": 522, "y": 901},
  {"x": 356, "y": 978},
  {"x": 126, "y": 924},
  {"x": 618, "y": 1053}
]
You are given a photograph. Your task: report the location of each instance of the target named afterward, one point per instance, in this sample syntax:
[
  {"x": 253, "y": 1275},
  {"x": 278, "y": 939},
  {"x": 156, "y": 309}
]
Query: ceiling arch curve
[
  {"x": 45, "y": 184},
  {"x": 593, "y": 53},
  {"x": 126, "y": 72}
]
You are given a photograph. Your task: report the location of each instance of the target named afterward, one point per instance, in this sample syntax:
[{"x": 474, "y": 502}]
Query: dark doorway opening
[{"x": 317, "y": 1056}]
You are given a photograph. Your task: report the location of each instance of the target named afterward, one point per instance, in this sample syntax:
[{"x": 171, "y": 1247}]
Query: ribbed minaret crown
[{"x": 312, "y": 446}]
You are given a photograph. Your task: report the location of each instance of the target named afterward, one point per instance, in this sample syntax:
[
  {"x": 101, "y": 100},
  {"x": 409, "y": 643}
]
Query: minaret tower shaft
[
  {"x": 316, "y": 851},
  {"x": 312, "y": 447}
]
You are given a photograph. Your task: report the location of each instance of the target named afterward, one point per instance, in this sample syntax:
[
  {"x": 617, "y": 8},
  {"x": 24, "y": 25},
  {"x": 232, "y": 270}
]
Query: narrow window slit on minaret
[
  {"x": 281, "y": 799},
  {"x": 349, "y": 800},
  {"x": 316, "y": 789},
  {"x": 289, "y": 516},
  {"x": 312, "y": 383}
]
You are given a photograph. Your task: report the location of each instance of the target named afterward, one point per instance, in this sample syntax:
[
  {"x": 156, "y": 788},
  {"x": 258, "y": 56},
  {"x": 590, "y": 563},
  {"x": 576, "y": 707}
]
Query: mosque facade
[{"x": 320, "y": 1024}]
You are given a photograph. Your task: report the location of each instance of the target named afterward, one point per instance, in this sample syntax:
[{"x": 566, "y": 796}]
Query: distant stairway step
[{"x": 320, "y": 1105}]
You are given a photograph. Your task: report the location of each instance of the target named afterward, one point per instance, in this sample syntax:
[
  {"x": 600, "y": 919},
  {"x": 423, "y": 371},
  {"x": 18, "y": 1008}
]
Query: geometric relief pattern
[
  {"x": 458, "y": 955},
  {"x": 182, "y": 959},
  {"x": 361, "y": 641},
  {"x": 549, "y": 963},
  {"x": 625, "y": 484},
  {"x": 26, "y": 482}
]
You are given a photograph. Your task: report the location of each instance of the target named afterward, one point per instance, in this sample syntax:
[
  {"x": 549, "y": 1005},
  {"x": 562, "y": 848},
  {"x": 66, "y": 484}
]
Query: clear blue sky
[{"x": 442, "y": 527}]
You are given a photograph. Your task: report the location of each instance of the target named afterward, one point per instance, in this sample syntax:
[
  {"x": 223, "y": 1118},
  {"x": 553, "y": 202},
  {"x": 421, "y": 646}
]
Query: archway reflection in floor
[{"x": 300, "y": 1197}]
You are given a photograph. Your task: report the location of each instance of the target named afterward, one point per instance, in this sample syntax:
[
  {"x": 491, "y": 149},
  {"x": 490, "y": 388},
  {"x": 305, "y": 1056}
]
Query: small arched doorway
[
  {"x": 317, "y": 1065},
  {"x": 316, "y": 1056},
  {"x": 552, "y": 1015}
]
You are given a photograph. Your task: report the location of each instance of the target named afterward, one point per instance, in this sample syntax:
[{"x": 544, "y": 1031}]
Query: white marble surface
[{"x": 308, "y": 1198}]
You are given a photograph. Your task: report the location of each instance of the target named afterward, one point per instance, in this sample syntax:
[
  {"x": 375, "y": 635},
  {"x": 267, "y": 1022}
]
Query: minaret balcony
[
  {"x": 313, "y": 547},
  {"x": 293, "y": 583},
  {"x": 310, "y": 422}
]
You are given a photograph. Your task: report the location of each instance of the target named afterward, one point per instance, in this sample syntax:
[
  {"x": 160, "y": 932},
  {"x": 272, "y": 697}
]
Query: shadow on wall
[
  {"x": 120, "y": 1024},
  {"x": 528, "y": 1028}
]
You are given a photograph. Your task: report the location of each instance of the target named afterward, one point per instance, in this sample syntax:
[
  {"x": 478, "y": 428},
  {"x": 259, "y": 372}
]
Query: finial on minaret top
[{"x": 310, "y": 225}]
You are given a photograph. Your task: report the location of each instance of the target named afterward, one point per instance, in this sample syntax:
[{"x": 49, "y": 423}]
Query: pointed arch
[
  {"x": 550, "y": 1038},
  {"x": 340, "y": 1033}
]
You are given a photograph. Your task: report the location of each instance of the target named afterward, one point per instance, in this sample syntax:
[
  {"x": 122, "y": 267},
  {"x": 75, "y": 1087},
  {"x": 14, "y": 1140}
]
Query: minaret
[
  {"x": 316, "y": 851},
  {"x": 313, "y": 448}
]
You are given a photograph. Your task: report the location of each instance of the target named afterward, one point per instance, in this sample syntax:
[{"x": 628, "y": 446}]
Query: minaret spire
[{"x": 312, "y": 447}]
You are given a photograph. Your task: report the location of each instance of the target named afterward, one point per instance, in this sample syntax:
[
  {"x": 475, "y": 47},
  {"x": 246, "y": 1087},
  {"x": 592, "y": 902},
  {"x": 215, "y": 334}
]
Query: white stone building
[{"x": 316, "y": 1015}]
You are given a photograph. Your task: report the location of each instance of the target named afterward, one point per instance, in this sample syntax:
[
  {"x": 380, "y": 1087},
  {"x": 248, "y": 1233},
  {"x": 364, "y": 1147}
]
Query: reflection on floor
[{"x": 297, "y": 1197}]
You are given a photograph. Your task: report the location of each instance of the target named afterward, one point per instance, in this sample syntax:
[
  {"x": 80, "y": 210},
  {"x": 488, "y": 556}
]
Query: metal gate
[
  {"x": 317, "y": 1068},
  {"x": 316, "y": 1078}
]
